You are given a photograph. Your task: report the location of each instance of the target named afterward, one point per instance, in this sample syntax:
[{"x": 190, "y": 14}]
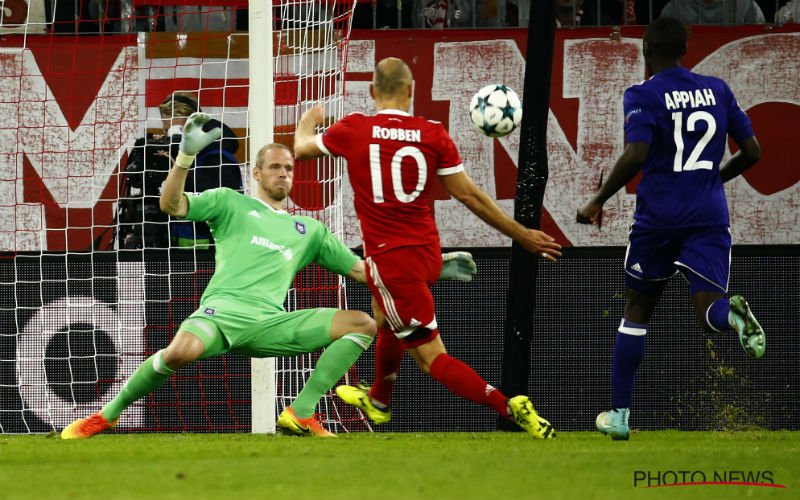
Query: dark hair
[
  {"x": 179, "y": 104},
  {"x": 666, "y": 38}
]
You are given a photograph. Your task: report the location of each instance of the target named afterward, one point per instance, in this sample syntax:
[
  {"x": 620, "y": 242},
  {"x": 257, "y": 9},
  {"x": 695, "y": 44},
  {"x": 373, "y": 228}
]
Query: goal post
[
  {"x": 310, "y": 41},
  {"x": 260, "y": 122}
]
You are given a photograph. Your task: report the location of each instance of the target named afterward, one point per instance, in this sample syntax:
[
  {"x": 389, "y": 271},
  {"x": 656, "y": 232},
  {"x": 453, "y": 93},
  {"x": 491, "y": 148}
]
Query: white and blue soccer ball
[{"x": 496, "y": 110}]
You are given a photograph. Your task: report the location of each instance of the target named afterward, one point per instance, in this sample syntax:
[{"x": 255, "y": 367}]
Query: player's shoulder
[
  {"x": 354, "y": 115},
  {"x": 353, "y": 118},
  {"x": 429, "y": 125},
  {"x": 707, "y": 78},
  {"x": 710, "y": 81},
  {"x": 640, "y": 92},
  {"x": 641, "y": 87},
  {"x": 217, "y": 192}
]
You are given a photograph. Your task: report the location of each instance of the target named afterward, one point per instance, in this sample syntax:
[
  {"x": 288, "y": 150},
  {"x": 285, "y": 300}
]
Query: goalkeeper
[{"x": 260, "y": 248}]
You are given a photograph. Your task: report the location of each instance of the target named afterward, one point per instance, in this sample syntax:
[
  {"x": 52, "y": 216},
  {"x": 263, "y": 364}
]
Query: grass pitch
[{"x": 381, "y": 466}]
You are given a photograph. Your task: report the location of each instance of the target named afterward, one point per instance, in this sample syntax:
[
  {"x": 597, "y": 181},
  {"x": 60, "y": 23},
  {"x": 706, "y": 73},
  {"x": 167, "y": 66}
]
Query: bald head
[{"x": 392, "y": 78}]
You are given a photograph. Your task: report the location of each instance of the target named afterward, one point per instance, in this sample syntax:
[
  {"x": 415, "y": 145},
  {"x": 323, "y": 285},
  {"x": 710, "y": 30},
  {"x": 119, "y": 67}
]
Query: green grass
[{"x": 483, "y": 466}]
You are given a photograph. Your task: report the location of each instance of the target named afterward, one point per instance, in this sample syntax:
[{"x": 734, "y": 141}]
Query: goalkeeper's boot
[
  {"x": 289, "y": 423},
  {"x": 751, "y": 335},
  {"x": 87, "y": 427},
  {"x": 521, "y": 409},
  {"x": 359, "y": 397},
  {"x": 614, "y": 423}
]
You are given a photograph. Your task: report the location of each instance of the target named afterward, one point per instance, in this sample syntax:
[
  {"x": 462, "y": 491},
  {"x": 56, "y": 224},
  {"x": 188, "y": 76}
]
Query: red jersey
[{"x": 392, "y": 160}]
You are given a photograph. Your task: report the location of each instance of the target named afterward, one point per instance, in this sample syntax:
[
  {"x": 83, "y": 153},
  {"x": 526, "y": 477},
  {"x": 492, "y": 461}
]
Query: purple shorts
[{"x": 701, "y": 254}]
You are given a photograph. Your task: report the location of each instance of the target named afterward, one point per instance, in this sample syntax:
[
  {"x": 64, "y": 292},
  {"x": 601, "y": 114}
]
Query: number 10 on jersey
[{"x": 397, "y": 173}]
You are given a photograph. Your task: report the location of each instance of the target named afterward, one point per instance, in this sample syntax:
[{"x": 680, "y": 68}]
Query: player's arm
[
  {"x": 740, "y": 129},
  {"x": 305, "y": 135},
  {"x": 461, "y": 187},
  {"x": 748, "y": 155},
  {"x": 631, "y": 160},
  {"x": 456, "y": 266},
  {"x": 358, "y": 272},
  {"x": 194, "y": 140}
]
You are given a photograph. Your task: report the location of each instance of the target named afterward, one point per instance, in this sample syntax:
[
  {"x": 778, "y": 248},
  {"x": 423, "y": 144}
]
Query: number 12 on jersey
[{"x": 692, "y": 162}]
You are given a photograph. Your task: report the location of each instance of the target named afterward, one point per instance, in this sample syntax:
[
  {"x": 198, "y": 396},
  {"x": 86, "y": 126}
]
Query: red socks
[
  {"x": 389, "y": 352},
  {"x": 455, "y": 375},
  {"x": 462, "y": 381}
]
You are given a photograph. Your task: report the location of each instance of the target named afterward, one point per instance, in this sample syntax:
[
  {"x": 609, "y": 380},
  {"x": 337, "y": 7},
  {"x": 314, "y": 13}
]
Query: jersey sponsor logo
[
  {"x": 682, "y": 99},
  {"x": 255, "y": 214},
  {"x": 264, "y": 242},
  {"x": 301, "y": 228},
  {"x": 397, "y": 134},
  {"x": 210, "y": 311}
]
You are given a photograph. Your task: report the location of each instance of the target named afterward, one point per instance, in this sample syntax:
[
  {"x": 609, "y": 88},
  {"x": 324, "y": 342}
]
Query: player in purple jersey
[{"x": 676, "y": 127}]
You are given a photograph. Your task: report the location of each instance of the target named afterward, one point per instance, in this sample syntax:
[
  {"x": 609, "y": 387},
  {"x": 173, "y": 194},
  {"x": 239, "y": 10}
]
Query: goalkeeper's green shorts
[{"x": 226, "y": 327}]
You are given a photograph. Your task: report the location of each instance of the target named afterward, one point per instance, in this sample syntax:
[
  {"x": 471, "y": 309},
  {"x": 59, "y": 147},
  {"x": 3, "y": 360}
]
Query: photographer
[{"x": 141, "y": 222}]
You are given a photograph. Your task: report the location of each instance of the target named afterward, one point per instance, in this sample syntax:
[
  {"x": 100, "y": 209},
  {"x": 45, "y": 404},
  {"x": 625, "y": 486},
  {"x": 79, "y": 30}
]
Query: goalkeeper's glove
[
  {"x": 195, "y": 139},
  {"x": 458, "y": 266}
]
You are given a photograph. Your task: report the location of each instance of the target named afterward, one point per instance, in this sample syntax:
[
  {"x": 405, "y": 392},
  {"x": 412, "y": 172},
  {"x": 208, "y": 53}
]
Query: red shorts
[{"x": 400, "y": 281}]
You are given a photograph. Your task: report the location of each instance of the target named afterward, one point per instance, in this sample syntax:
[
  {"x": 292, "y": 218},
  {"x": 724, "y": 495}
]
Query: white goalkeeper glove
[
  {"x": 458, "y": 266},
  {"x": 195, "y": 139}
]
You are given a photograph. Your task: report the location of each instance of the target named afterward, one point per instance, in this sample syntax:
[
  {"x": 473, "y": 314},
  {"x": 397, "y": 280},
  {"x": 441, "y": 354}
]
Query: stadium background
[{"x": 689, "y": 380}]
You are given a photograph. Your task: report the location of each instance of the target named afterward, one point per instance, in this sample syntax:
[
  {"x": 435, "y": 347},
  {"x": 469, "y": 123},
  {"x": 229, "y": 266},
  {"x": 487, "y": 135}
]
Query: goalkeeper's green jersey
[{"x": 260, "y": 249}]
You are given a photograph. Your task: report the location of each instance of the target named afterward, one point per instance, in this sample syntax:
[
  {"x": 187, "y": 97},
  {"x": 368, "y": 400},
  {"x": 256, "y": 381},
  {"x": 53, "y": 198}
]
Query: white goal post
[
  {"x": 260, "y": 123},
  {"x": 309, "y": 58}
]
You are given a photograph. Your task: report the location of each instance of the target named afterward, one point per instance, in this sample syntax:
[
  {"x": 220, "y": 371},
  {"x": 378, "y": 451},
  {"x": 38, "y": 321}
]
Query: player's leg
[
  {"x": 648, "y": 266},
  {"x": 343, "y": 334},
  {"x": 705, "y": 262},
  {"x": 375, "y": 401},
  {"x": 186, "y": 347},
  {"x": 351, "y": 333},
  {"x": 427, "y": 349},
  {"x": 388, "y": 357},
  {"x": 457, "y": 376}
]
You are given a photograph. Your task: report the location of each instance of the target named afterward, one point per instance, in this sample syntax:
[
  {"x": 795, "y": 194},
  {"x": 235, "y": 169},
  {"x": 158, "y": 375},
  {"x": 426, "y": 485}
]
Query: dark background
[{"x": 689, "y": 379}]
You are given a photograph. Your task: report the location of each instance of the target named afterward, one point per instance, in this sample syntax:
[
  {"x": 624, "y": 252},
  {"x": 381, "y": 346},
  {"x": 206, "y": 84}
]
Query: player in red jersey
[{"x": 392, "y": 159}]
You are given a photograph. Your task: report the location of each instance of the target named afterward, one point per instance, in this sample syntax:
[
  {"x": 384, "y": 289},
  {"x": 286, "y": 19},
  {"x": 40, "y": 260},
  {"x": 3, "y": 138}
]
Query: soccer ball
[{"x": 495, "y": 110}]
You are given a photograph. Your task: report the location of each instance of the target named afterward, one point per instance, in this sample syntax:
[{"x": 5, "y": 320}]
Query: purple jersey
[{"x": 685, "y": 118}]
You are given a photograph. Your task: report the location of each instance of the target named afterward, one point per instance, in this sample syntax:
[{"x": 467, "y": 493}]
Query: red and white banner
[
  {"x": 22, "y": 16},
  {"x": 585, "y": 134},
  {"x": 72, "y": 105}
]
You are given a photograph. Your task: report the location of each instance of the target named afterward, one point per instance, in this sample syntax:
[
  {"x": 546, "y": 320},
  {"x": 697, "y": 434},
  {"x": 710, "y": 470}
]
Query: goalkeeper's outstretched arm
[
  {"x": 194, "y": 140},
  {"x": 456, "y": 266}
]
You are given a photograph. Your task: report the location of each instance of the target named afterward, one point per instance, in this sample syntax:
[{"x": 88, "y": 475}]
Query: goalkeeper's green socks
[
  {"x": 150, "y": 375},
  {"x": 331, "y": 367}
]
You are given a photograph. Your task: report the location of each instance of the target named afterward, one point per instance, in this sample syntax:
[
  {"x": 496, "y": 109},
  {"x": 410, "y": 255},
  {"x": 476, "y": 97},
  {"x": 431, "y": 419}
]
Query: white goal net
[{"x": 93, "y": 279}]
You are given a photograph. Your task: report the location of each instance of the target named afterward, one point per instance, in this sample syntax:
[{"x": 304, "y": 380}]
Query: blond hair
[
  {"x": 263, "y": 151},
  {"x": 392, "y": 77}
]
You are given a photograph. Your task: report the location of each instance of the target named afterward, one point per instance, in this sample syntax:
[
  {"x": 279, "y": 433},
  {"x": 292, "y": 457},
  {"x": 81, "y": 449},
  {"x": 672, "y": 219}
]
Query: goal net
[{"x": 93, "y": 278}]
